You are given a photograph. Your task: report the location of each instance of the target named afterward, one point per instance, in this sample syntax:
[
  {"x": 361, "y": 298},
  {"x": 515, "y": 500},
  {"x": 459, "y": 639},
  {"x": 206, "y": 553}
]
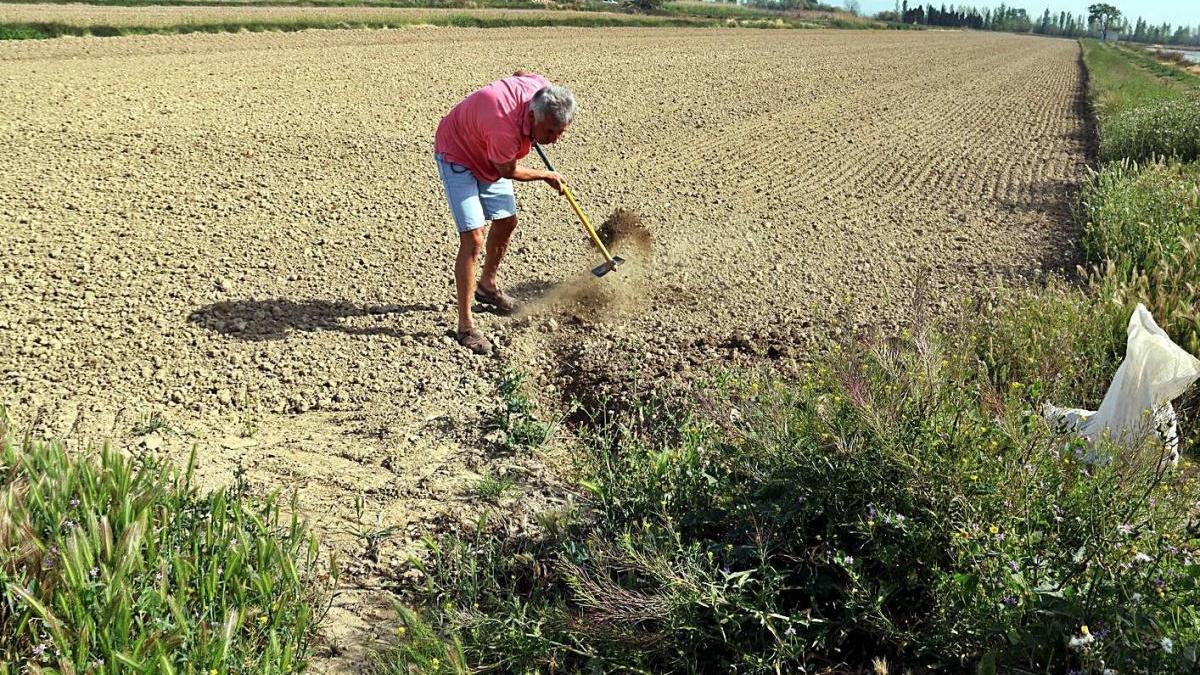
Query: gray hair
[{"x": 553, "y": 100}]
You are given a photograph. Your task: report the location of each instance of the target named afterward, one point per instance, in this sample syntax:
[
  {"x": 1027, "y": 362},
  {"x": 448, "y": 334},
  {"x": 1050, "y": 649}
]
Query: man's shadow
[{"x": 259, "y": 320}]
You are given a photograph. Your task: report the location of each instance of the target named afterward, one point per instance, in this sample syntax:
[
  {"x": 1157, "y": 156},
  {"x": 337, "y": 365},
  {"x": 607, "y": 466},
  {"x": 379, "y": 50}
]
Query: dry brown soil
[
  {"x": 245, "y": 235},
  {"x": 174, "y": 16}
]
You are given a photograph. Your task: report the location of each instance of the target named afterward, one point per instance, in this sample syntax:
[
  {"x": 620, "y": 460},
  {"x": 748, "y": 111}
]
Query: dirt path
[{"x": 239, "y": 241}]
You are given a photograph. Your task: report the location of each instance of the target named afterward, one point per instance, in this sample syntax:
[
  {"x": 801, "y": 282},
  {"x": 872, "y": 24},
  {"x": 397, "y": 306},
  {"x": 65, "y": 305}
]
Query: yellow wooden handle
[{"x": 586, "y": 223}]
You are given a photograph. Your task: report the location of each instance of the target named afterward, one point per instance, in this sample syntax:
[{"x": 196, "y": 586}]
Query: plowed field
[
  {"x": 171, "y": 16},
  {"x": 239, "y": 241}
]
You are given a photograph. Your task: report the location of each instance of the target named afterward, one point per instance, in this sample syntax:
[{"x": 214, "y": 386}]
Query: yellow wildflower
[
  {"x": 401, "y": 631},
  {"x": 1083, "y": 630},
  {"x": 993, "y": 529}
]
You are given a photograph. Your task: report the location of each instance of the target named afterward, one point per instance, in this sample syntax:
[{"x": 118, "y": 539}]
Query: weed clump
[
  {"x": 1161, "y": 129},
  {"x": 115, "y": 563},
  {"x": 902, "y": 500}
]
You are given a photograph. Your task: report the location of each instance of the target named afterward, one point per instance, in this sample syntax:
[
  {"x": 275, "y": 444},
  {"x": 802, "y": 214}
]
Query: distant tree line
[{"x": 1102, "y": 19}]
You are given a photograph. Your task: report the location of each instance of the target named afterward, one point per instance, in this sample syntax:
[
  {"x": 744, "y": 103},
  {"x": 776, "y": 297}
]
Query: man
[{"x": 477, "y": 147}]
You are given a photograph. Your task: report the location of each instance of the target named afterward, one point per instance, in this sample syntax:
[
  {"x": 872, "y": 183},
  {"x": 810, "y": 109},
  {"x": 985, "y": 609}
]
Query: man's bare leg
[
  {"x": 470, "y": 245},
  {"x": 497, "y": 243}
]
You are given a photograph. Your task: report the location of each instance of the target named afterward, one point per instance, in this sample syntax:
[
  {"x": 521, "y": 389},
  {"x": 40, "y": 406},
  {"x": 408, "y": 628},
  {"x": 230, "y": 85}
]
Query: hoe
[{"x": 610, "y": 262}]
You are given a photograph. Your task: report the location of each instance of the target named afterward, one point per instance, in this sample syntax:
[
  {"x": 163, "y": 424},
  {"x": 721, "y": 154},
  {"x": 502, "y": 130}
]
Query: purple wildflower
[
  {"x": 39, "y": 649},
  {"x": 1009, "y": 600},
  {"x": 74, "y": 502},
  {"x": 94, "y": 572},
  {"x": 1012, "y": 565},
  {"x": 790, "y": 631}
]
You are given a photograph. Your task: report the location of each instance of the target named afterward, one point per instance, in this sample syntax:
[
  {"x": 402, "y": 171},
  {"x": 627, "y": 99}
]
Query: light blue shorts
[{"x": 474, "y": 202}]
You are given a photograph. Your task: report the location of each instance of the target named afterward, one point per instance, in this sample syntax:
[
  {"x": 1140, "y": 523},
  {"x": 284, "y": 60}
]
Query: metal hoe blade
[{"x": 608, "y": 266}]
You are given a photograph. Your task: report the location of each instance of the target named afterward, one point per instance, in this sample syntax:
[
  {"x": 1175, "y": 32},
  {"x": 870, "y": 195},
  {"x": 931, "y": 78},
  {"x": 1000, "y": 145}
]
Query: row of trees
[{"x": 1101, "y": 19}]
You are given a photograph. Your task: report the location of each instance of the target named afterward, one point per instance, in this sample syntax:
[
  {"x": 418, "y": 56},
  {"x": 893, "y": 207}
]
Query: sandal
[
  {"x": 475, "y": 341},
  {"x": 497, "y": 298}
]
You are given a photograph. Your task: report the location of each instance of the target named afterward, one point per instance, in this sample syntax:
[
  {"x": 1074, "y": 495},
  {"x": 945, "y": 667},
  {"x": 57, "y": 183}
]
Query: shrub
[
  {"x": 115, "y": 565},
  {"x": 644, "y": 5}
]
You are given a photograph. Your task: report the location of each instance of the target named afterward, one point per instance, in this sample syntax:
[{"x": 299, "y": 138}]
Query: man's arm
[{"x": 519, "y": 173}]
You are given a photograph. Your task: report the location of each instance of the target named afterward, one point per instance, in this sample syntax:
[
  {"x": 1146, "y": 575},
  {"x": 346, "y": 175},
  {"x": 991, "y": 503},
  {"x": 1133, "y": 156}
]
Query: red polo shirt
[{"x": 490, "y": 126}]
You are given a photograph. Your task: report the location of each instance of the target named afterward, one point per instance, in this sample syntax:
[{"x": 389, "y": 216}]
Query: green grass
[
  {"x": 46, "y": 30},
  {"x": 719, "y": 11},
  {"x": 492, "y": 488},
  {"x": 114, "y": 564},
  {"x": 22, "y": 32},
  {"x": 1120, "y": 79},
  {"x": 1144, "y": 109}
]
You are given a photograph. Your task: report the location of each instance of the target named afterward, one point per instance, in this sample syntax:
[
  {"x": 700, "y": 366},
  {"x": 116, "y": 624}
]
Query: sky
[{"x": 1174, "y": 12}]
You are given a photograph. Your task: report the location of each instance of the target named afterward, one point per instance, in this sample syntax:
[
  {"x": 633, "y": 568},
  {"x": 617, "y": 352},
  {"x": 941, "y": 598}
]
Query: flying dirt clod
[{"x": 624, "y": 228}]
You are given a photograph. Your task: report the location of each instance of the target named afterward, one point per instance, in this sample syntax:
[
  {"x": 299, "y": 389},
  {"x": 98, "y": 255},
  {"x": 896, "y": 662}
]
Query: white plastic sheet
[{"x": 1138, "y": 402}]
